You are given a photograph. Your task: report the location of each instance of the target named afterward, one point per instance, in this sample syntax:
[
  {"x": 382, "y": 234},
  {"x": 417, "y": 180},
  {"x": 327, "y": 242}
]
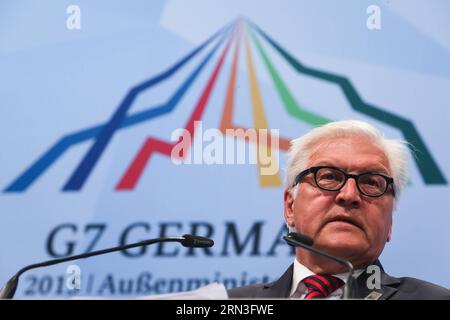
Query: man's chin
[{"x": 344, "y": 246}]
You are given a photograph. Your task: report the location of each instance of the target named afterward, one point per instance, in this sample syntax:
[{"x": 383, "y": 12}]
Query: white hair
[{"x": 302, "y": 148}]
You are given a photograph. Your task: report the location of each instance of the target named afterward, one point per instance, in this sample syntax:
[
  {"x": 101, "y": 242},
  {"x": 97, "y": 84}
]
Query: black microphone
[
  {"x": 300, "y": 240},
  {"x": 191, "y": 241},
  {"x": 187, "y": 240}
]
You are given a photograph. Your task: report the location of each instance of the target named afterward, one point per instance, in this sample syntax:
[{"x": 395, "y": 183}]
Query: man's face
[{"x": 344, "y": 223}]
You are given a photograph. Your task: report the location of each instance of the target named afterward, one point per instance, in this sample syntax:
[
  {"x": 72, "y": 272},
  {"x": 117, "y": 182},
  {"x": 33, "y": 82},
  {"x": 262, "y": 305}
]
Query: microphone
[
  {"x": 300, "y": 240},
  {"x": 191, "y": 241},
  {"x": 187, "y": 240}
]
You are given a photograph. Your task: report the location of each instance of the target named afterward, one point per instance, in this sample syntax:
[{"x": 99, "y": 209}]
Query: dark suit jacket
[{"x": 391, "y": 288}]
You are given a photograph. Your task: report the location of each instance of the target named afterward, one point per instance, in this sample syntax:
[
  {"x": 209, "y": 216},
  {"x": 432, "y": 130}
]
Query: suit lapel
[
  {"x": 388, "y": 286},
  {"x": 280, "y": 288}
]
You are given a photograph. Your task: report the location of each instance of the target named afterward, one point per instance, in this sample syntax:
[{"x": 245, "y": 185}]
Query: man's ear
[
  {"x": 389, "y": 234},
  {"x": 289, "y": 208}
]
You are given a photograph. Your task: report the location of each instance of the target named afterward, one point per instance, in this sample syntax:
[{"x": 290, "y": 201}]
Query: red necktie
[{"x": 320, "y": 286}]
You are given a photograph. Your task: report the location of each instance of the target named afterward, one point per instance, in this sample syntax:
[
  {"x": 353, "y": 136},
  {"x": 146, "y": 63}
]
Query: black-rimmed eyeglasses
[{"x": 333, "y": 179}]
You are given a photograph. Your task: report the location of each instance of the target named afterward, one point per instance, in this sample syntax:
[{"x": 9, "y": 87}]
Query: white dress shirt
[{"x": 298, "y": 288}]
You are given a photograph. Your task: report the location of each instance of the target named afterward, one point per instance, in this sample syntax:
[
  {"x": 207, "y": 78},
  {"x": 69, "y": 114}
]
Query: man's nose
[{"x": 349, "y": 194}]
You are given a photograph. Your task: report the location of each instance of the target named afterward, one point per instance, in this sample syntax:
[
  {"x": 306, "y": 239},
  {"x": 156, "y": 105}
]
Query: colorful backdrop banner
[{"x": 98, "y": 96}]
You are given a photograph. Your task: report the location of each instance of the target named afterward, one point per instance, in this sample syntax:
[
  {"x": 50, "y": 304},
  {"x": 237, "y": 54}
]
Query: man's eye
[
  {"x": 330, "y": 176},
  {"x": 372, "y": 182}
]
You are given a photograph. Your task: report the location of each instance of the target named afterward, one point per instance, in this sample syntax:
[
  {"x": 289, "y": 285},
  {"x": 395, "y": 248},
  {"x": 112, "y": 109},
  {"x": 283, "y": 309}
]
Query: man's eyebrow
[
  {"x": 370, "y": 168},
  {"x": 378, "y": 170}
]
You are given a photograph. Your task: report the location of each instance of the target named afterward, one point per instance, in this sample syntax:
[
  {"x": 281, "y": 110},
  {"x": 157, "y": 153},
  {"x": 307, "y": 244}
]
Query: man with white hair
[{"x": 343, "y": 180}]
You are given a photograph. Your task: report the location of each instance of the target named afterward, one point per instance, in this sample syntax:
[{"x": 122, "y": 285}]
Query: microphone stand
[
  {"x": 7, "y": 292},
  {"x": 300, "y": 240}
]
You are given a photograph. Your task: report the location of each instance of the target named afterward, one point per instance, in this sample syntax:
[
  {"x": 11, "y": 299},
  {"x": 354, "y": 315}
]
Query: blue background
[{"x": 55, "y": 81}]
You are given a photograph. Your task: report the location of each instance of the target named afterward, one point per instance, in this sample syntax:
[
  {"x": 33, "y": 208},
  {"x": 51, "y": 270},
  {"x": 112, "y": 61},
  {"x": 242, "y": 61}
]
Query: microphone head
[
  {"x": 301, "y": 238},
  {"x": 192, "y": 241}
]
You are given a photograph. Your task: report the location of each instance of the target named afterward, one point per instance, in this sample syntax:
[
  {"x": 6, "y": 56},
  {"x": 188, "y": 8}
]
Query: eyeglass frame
[{"x": 314, "y": 170}]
